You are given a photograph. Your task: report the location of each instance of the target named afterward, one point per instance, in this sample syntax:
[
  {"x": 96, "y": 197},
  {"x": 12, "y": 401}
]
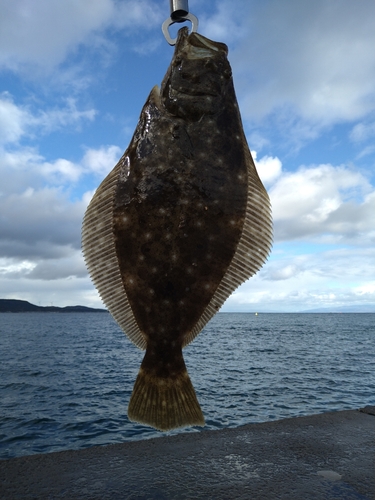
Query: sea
[{"x": 66, "y": 378}]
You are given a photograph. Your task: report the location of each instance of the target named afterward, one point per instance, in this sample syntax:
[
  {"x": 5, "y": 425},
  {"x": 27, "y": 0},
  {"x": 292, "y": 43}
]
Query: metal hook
[{"x": 179, "y": 14}]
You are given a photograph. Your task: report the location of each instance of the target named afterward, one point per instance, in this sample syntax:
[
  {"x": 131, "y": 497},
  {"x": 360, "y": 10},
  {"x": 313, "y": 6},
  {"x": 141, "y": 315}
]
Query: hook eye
[{"x": 168, "y": 22}]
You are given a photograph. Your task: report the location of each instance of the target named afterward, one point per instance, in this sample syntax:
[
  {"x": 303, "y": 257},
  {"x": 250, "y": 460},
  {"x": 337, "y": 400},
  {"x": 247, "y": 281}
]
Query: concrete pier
[{"x": 327, "y": 456}]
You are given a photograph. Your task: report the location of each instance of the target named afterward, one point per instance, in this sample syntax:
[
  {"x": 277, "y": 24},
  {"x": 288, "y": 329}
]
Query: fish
[{"x": 180, "y": 222}]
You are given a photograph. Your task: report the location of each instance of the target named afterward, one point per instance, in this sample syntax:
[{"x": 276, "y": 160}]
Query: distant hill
[{"x": 18, "y": 306}]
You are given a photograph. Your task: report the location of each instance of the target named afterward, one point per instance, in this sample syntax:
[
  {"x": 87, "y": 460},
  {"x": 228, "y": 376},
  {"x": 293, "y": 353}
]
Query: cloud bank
[{"x": 303, "y": 71}]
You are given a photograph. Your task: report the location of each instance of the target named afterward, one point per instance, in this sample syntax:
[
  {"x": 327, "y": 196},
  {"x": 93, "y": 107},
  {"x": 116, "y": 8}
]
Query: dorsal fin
[
  {"x": 252, "y": 250},
  {"x": 99, "y": 251}
]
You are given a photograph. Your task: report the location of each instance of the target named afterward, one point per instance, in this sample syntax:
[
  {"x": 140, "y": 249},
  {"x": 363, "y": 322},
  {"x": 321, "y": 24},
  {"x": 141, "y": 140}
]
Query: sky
[{"x": 74, "y": 75}]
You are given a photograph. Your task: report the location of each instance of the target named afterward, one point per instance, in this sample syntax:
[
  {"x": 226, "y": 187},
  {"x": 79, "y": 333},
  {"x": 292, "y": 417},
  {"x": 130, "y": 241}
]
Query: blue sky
[{"x": 74, "y": 75}]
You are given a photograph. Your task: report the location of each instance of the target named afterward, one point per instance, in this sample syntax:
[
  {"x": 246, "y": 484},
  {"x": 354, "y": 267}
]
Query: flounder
[{"x": 179, "y": 223}]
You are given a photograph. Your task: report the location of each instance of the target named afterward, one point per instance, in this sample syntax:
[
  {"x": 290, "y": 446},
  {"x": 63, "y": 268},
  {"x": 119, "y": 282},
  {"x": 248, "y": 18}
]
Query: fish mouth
[
  {"x": 201, "y": 52},
  {"x": 198, "y": 46}
]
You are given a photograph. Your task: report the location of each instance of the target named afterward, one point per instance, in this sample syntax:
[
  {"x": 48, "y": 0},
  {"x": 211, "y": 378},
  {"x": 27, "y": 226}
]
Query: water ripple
[{"x": 66, "y": 379}]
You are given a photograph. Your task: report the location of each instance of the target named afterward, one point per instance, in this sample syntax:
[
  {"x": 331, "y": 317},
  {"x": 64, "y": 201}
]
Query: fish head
[{"x": 197, "y": 78}]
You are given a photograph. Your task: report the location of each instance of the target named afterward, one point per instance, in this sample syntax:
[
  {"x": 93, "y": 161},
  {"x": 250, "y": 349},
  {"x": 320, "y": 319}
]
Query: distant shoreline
[{"x": 22, "y": 306}]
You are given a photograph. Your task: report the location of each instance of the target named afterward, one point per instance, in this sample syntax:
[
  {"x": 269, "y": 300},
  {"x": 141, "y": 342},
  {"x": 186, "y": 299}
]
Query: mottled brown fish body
[{"x": 180, "y": 222}]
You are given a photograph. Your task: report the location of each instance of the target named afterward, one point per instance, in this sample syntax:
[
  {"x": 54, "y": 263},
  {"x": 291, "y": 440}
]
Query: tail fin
[{"x": 166, "y": 402}]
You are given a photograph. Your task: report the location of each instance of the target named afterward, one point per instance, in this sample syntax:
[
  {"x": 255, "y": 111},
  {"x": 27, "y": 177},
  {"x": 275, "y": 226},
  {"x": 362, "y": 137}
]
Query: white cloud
[
  {"x": 333, "y": 207},
  {"x": 102, "y": 160},
  {"x": 40, "y": 225},
  {"x": 17, "y": 170},
  {"x": 22, "y": 167},
  {"x": 269, "y": 168},
  {"x": 40, "y": 255},
  {"x": 324, "y": 201},
  {"x": 138, "y": 13},
  {"x": 60, "y": 171},
  {"x": 367, "y": 289},
  {"x": 41, "y": 34},
  {"x": 317, "y": 263},
  {"x": 17, "y": 121},
  {"x": 292, "y": 283},
  {"x": 13, "y": 119},
  {"x": 35, "y": 222},
  {"x": 95, "y": 161},
  {"x": 148, "y": 46},
  {"x": 314, "y": 60},
  {"x": 68, "y": 115},
  {"x": 225, "y": 24},
  {"x": 362, "y": 132},
  {"x": 283, "y": 273},
  {"x": 58, "y": 292},
  {"x": 71, "y": 266},
  {"x": 10, "y": 267},
  {"x": 257, "y": 141}
]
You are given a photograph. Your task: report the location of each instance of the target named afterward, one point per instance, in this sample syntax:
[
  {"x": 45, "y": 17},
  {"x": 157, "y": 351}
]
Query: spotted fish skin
[{"x": 180, "y": 223}]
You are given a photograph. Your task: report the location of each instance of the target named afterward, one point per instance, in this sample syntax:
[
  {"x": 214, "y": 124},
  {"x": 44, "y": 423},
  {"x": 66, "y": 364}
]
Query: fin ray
[
  {"x": 256, "y": 240},
  {"x": 99, "y": 252},
  {"x": 165, "y": 403}
]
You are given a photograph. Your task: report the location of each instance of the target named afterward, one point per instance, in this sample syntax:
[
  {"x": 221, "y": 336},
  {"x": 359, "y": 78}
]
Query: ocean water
[{"x": 66, "y": 379}]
